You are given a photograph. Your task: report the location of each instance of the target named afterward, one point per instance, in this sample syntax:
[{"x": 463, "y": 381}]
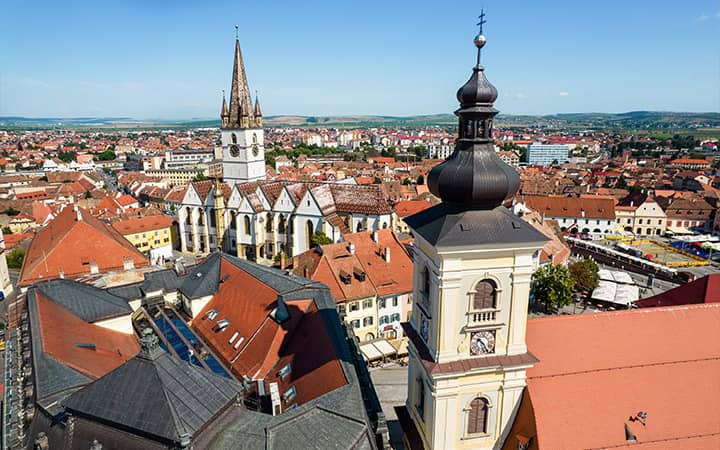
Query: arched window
[
  {"x": 246, "y": 221},
  {"x": 477, "y": 416},
  {"x": 309, "y": 230},
  {"x": 281, "y": 224},
  {"x": 485, "y": 295},
  {"x": 234, "y": 138}
]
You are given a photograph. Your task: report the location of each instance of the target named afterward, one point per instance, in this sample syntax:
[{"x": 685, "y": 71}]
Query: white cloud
[{"x": 564, "y": 94}]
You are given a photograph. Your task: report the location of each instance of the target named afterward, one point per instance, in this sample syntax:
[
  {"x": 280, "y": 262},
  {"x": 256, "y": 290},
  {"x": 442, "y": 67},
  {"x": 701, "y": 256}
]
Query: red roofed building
[
  {"x": 76, "y": 244},
  {"x": 406, "y": 208},
  {"x": 598, "y": 374},
  {"x": 151, "y": 234},
  {"x": 281, "y": 339},
  {"x": 369, "y": 275}
]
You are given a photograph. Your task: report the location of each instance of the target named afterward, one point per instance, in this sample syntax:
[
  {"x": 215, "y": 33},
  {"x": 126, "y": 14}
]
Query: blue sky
[{"x": 171, "y": 59}]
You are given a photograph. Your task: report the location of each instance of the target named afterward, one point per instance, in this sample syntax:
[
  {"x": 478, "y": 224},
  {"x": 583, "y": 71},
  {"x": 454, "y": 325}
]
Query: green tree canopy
[
  {"x": 319, "y": 238},
  {"x": 553, "y": 286},
  {"x": 584, "y": 274},
  {"x": 15, "y": 258},
  {"x": 107, "y": 155}
]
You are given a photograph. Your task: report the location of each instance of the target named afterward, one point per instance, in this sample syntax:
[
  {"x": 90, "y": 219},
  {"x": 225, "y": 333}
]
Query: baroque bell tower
[
  {"x": 472, "y": 269},
  {"x": 243, "y": 150}
]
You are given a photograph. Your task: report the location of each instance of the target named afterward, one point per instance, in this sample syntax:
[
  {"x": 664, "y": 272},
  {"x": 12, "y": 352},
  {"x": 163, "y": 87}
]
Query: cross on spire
[
  {"x": 236, "y": 32},
  {"x": 482, "y": 20}
]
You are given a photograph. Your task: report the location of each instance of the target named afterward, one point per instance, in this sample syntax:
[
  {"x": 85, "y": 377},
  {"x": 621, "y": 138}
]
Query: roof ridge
[
  {"x": 631, "y": 366},
  {"x": 627, "y": 312}
]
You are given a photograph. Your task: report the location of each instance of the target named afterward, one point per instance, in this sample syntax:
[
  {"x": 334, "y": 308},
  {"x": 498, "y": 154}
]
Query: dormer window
[
  {"x": 345, "y": 277},
  {"x": 285, "y": 371},
  {"x": 359, "y": 274},
  {"x": 212, "y": 314}
]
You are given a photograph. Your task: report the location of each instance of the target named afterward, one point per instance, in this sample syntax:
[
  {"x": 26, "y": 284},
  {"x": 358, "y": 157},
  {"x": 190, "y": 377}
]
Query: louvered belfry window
[
  {"x": 477, "y": 418},
  {"x": 485, "y": 295}
]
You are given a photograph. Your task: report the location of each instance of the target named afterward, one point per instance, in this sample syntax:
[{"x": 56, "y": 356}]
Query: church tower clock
[
  {"x": 472, "y": 269},
  {"x": 243, "y": 151}
]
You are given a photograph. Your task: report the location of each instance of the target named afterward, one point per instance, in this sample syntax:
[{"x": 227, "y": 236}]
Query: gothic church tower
[
  {"x": 243, "y": 151},
  {"x": 472, "y": 269}
]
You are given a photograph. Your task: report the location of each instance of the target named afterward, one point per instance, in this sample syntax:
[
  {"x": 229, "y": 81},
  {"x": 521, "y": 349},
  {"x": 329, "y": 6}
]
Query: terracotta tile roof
[
  {"x": 302, "y": 340},
  {"x": 601, "y": 369},
  {"x": 142, "y": 224},
  {"x": 69, "y": 245},
  {"x": 409, "y": 207},
  {"x": 559, "y": 206},
  {"x": 360, "y": 199},
  {"x": 126, "y": 200},
  {"x": 112, "y": 348}
]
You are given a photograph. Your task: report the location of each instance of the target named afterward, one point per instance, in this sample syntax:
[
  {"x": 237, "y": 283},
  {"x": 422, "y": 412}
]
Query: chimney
[
  {"x": 78, "y": 213},
  {"x": 94, "y": 267},
  {"x": 128, "y": 263},
  {"x": 632, "y": 203},
  {"x": 351, "y": 248},
  {"x": 387, "y": 254},
  {"x": 375, "y": 236}
]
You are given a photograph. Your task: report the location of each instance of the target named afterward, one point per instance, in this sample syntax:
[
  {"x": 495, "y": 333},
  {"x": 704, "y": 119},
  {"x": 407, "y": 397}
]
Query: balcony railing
[{"x": 479, "y": 317}]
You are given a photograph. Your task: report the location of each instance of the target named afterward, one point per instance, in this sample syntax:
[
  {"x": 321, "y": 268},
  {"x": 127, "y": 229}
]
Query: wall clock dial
[
  {"x": 482, "y": 342},
  {"x": 234, "y": 151}
]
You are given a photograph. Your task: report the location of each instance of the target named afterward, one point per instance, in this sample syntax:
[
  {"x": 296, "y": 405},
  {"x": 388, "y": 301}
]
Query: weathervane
[{"x": 482, "y": 19}]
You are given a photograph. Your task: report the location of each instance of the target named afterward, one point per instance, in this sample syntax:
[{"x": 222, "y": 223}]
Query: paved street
[{"x": 391, "y": 386}]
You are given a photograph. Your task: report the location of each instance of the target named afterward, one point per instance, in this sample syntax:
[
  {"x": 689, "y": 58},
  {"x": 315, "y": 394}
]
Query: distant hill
[{"x": 635, "y": 120}]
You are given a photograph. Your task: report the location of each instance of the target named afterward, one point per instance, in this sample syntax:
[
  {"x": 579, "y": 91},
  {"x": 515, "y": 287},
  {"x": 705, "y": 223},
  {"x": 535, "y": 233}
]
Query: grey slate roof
[
  {"x": 446, "y": 226},
  {"x": 157, "y": 396},
  {"x": 332, "y": 421},
  {"x": 167, "y": 280},
  {"x": 204, "y": 278},
  {"x": 53, "y": 380},
  {"x": 87, "y": 302}
]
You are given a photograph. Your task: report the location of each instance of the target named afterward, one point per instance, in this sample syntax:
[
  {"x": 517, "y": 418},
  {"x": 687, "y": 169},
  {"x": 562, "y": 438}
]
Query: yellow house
[{"x": 151, "y": 235}]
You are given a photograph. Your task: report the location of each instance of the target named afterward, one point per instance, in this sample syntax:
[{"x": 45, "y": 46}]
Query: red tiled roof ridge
[{"x": 626, "y": 312}]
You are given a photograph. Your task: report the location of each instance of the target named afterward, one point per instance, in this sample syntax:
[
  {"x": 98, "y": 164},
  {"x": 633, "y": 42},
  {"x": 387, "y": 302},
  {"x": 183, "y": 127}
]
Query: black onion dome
[{"x": 474, "y": 176}]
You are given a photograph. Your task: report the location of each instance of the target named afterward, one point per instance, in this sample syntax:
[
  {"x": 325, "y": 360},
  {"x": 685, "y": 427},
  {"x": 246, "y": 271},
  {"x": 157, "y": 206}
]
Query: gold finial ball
[{"x": 480, "y": 41}]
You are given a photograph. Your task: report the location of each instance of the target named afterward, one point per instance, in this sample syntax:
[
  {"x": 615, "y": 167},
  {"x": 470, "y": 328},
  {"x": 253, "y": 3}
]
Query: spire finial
[
  {"x": 223, "y": 91},
  {"x": 480, "y": 39},
  {"x": 236, "y": 33},
  {"x": 482, "y": 20}
]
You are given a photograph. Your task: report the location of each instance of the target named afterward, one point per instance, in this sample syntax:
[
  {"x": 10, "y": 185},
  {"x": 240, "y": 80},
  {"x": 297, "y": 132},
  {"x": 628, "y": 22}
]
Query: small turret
[
  {"x": 257, "y": 112},
  {"x": 224, "y": 113}
]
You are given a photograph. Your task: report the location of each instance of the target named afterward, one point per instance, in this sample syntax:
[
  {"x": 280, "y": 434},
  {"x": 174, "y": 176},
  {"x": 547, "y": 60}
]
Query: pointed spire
[
  {"x": 257, "y": 111},
  {"x": 224, "y": 114},
  {"x": 240, "y": 101}
]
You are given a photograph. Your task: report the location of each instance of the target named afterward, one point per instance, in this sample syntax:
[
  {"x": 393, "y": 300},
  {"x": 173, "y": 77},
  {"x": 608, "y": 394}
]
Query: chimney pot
[
  {"x": 351, "y": 248},
  {"x": 387, "y": 254}
]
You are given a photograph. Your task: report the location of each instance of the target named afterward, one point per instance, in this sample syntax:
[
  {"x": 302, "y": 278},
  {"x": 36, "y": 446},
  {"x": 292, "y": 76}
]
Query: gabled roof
[
  {"x": 204, "y": 278},
  {"x": 156, "y": 395},
  {"x": 142, "y": 224},
  {"x": 60, "y": 365},
  {"x": 86, "y": 302},
  {"x": 247, "y": 298},
  {"x": 69, "y": 245}
]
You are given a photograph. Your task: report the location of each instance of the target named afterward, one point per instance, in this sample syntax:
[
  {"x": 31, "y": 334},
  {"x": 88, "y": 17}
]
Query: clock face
[
  {"x": 482, "y": 343},
  {"x": 234, "y": 150},
  {"x": 255, "y": 149}
]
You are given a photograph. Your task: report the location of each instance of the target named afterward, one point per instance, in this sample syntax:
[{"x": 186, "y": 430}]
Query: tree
[
  {"x": 319, "y": 238},
  {"x": 584, "y": 274},
  {"x": 421, "y": 180},
  {"x": 200, "y": 177},
  {"x": 66, "y": 156},
  {"x": 15, "y": 258},
  {"x": 11, "y": 211},
  {"x": 107, "y": 155},
  {"x": 553, "y": 286},
  {"x": 6, "y": 230}
]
